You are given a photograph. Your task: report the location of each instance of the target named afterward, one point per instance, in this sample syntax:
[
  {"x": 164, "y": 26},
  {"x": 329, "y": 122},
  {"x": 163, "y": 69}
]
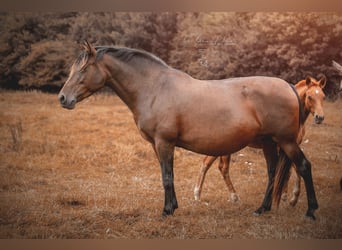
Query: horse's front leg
[{"x": 165, "y": 154}]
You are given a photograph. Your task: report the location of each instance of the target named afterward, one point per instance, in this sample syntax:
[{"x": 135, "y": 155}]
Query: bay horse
[
  {"x": 311, "y": 94},
  {"x": 218, "y": 117}
]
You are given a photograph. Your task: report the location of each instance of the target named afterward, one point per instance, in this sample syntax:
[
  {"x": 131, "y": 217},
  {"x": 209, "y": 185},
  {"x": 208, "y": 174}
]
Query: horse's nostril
[
  {"x": 62, "y": 98},
  {"x": 73, "y": 101}
]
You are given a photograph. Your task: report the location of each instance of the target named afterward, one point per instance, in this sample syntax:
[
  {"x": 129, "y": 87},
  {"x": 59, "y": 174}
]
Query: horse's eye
[
  {"x": 83, "y": 68},
  {"x": 310, "y": 98}
]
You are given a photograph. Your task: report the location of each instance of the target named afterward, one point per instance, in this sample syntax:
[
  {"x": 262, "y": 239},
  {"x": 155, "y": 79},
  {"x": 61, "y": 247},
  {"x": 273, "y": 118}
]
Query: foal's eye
[{"x": 310, "y": 98}]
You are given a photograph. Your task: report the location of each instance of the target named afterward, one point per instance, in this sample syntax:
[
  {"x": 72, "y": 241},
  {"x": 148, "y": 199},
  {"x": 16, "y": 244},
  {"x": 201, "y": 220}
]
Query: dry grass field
[{"x": 88, "y": 173}]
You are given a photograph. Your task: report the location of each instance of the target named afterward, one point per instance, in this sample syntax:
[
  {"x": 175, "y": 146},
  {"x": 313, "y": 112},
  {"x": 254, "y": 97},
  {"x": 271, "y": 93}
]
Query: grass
[{"x": 88, "y": 173}]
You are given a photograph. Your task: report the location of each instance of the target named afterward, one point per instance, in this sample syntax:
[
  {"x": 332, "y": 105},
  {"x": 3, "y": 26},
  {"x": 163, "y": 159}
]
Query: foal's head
[
  {"x": 314, "y": 97},
  {"x": 86, "y": 77}
]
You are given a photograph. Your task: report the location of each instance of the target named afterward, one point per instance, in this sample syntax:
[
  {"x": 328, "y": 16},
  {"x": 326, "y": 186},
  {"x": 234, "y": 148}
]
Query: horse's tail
[{"x": 282, "y": 176}]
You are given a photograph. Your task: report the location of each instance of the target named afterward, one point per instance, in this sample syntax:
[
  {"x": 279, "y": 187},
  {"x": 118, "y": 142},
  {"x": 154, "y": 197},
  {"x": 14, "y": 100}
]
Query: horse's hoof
[
  {"x": 256, "y": 214},
  {"x": 234, "y": 198},
  {"x": 197, "y": 194},
  {"x": 166, "y": 213},
  {"x": 170, "y": 210},
  {"x": 284, "y": 197},
  {"x": 309, "y": 215},
  {"x": 293, "y": 202},
  {"x": 261, "y": 210}
]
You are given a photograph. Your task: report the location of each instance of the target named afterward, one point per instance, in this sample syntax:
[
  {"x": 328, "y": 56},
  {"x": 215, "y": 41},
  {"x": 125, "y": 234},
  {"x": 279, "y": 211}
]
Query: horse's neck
[
  {"x": 301, "y": 90},
  {"x": 130, "y": 83}
]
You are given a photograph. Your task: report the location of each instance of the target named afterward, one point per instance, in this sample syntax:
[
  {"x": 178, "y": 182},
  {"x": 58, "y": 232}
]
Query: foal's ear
[
  {"x": 322, "y": 81},
  {"x": 308, "y": 80},
  {"x": 89, "y": 48}
]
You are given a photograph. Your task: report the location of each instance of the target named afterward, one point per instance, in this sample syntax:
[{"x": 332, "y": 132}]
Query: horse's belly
[{"x": 217, "y": 143}]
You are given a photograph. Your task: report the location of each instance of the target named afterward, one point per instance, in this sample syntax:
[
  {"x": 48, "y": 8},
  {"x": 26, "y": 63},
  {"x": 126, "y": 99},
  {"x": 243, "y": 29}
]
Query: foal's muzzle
[
  {"x": 318, "y": 119},
  {"x": 68, "y": 103}
]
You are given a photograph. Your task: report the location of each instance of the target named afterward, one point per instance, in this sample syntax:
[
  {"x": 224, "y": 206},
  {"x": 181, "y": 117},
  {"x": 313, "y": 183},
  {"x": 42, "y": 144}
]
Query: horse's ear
[
  {"x": 89, "y": 48},
  {"x": 308, "y": 80},
  {"x": 322, "y": 81}
]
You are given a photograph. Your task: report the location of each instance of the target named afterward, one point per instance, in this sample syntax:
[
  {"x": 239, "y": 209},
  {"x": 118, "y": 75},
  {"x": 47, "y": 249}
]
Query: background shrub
[{"x": 37, "y": 49}]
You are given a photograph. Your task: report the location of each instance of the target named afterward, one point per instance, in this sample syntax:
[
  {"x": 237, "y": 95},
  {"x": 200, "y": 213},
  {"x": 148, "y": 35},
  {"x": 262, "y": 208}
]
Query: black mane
[{"x": 127, "y": 54}]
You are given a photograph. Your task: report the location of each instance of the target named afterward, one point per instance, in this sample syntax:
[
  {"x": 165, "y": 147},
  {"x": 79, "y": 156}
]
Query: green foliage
[{"x": 37, "y": 49}]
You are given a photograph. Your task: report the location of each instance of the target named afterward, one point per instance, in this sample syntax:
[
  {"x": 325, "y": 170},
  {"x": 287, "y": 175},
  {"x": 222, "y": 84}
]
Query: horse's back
[{"x": 229, "y": 114}]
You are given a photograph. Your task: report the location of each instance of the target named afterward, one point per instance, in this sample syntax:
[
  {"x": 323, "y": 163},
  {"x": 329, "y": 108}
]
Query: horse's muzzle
[
  {"x": 68, "y": 103},
  {"x": 319, "y": 119}
]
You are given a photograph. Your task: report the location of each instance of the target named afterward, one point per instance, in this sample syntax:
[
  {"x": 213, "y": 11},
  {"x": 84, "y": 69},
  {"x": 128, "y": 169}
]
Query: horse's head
[
  {"x": 314, "y": 97},
  {"x": 86, "y": 77}
]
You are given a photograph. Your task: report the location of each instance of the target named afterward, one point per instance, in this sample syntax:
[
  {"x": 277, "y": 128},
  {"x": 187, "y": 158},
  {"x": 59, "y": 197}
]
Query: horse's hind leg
[
  {"x": 224, "y": 169},
  {"x": 304, "y": 169},
  {"x": 296, "y": 190},
  {"x": 206, "y": 164},
  {"x": 271, "y": 155}
]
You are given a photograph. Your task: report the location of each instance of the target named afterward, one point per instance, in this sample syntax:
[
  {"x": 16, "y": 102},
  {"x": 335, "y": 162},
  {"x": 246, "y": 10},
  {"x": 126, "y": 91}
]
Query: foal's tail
[{"x": 282, "y": 176}]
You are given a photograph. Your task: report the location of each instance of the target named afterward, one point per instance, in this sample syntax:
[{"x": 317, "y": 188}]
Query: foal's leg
[
  {"x": 224, "y": 169},
  {"x": 304, "y": 169},
  {"x": 206, "y": 164},
  {"x": 271, "y": 155},
  {"x": 285, "y": 191},
  {"x": 296, "y": 190},
  {"x": 165, "y": 153}
]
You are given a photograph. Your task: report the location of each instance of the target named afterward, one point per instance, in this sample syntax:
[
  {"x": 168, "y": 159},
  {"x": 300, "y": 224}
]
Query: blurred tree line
[{"x": 37, "y": 49}]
